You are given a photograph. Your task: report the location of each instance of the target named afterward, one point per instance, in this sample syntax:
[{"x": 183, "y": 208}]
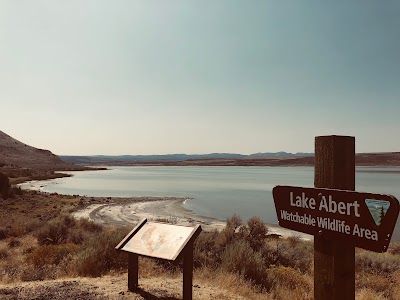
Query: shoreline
[
  {"x": 163, "y": 210},
  {"x": 128, "y": 211}
]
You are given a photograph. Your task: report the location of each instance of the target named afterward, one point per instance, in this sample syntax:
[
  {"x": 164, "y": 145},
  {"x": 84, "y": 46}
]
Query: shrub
[
  {"x": 30, "y": 272},
  {"x": 77, "y": 236},
  {"x": 381, "y": 264},
  {"x": 99, "y": 256},
  {"x": 3, "y": 253},
  {"x": 17, "y": 190},
  {"x": 291, "y": 252},
  {"x": 240, "y": 258},
  {"x": 3, "y": 233},
  {"x": 13, "y": 191},
  {"x": 67, "y": 229},
  {"x": 28, "y": 250},
  {"x": 234, "y": 222},
  {"x": 207, "y": 251},
  {"x": 13, "y": 243},
  {"x": 376, "y": 283},
  {"x": 209, "y": 247},
  {"x": 286, "y": 277},
  {"x": 256, "y": 233},
  {"x": 4, "y": 185},
  {"x": 52, "y": 234},
  {"x": 50, "y": 254},
  {"x": 69, "y": 221},
  {"x": 367, "y": 294},
  {"x": 394, "y": 249},
  {"x": 10, "y": 269},
  {"x": 90, "y": 226},
  {"x": 18, "y": 229}
]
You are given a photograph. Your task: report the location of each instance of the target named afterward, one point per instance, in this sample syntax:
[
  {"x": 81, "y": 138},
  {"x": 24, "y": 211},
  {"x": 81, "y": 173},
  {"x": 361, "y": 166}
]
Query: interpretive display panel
[
  {"x": 159, "y": 240},
  {"x": 365, "y": 219}
]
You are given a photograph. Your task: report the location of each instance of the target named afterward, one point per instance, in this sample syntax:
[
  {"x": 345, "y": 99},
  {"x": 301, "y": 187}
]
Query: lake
[{"x": 217, "y": 192}]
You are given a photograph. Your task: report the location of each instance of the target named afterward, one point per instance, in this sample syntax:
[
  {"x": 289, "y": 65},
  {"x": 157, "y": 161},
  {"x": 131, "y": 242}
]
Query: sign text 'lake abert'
[{"x": 364, "y": 219}]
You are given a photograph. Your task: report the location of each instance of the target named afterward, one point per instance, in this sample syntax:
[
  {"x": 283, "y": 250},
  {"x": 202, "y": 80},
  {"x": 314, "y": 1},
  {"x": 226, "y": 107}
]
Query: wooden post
[
  {"x": 133, "y": 272},
  {"x": 188, "y": 273},
  {"x": 334, "y": 261}
]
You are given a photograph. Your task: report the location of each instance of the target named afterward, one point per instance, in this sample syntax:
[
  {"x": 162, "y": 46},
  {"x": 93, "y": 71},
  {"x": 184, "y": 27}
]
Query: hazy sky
[{"x": 156, "y": 77}]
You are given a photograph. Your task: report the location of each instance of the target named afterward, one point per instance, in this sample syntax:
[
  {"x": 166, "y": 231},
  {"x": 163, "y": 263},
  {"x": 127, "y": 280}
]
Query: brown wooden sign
[{"x": 363, "y": 219}]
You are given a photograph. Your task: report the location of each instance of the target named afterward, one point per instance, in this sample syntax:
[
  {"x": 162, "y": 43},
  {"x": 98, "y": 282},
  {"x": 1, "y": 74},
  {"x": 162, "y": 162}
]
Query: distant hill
[
  {"x": 174, "y": 158},
  {"x": 280, "y": 154},
  {"x": 228, "y": 159},
  {"x": 15, "y": 155},
  {"x": 378, "y": 159},
  {"x": 211, "y": 159}
]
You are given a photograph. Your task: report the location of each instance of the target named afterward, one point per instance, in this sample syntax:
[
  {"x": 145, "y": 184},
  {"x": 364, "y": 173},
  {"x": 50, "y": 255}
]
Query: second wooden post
[
  {"x": 133, "y": 272},
  {"x": 188, "y": 273}
]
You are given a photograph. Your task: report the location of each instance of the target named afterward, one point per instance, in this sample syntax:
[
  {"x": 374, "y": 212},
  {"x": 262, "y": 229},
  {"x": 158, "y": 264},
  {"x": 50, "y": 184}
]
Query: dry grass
[
  {"x": 231, "y": 282},
  {"x": 31, "y": 210},
  {"x": 382, "y": 264},
  {"x": 367, "y": 294}
]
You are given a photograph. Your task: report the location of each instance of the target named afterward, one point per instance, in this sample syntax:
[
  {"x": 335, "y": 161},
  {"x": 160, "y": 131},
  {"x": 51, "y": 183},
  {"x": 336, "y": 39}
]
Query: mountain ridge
[
  {"x": 175, "y": 157},
  {"x": 384, "y": 159}
]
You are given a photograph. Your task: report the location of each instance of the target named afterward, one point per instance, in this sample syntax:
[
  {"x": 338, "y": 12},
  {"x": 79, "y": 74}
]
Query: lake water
[{"x": 217, "y": 192}]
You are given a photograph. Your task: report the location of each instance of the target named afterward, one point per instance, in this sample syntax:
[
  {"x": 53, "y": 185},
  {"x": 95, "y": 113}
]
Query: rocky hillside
[{"x": 16, "y": 157}]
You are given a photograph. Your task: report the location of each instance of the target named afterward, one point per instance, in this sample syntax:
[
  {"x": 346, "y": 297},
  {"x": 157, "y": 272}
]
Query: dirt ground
[{"x": 110, "y": 287}]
